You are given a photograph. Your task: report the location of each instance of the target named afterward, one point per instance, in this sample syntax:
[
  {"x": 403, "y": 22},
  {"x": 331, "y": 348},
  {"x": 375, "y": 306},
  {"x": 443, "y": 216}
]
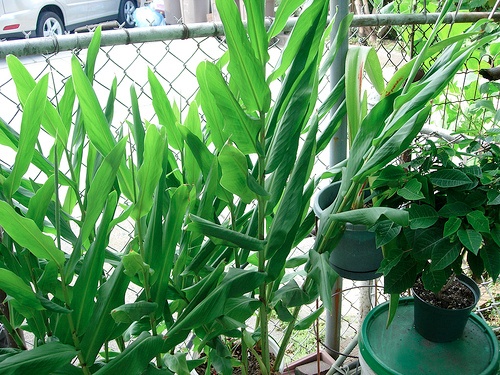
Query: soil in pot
[{"x": 455, "y": 295}]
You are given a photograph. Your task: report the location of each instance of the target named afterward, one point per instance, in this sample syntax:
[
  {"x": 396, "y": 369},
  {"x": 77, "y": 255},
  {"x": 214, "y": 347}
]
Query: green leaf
[
  {"x": 16, "y": 288},
  {"x": 134, "y": 265},
  {"x": 241, "y": 308},
  {"x": 25, "y": 232},
  {"x": 283, "y": 13},
  {"x": 412, "y": 190},
  {"x": 30, "y": 127},
  {"x": 237, "y": 282},
  {"x": 491, "y": 258},
  {"x": 257, "y": 30},
  {"x": 163, "y": 259},
  {"x": 291, "y": 209},
  {"x": 235, "y": 173},
  {"x": 444, "y": 253},
  {"x": 111, "y": 294},
  {"x": 296, "y": 110},
  {"x": 370, "y": 216},
  {"x": 493, "y": 197},
  {"x": 322, "y": 273},
  {"x": 359, "y": 57},
  {"x": 229, "y": 236},
  {"x": 39, "y": 203},
  {"x": 239, "y": 127},
  {"x": 135, "y": 358},
  {"x": 164, "y": 111},
  {"x": 309, "y": 320},
  {"x": 447, "y": 178},
  {"x": 92, "y": 53},
  {"x": 245, "y": 68},
  {"x": 213, "y": 116},
  {"x": 85, "y": 287},
  {"x": 150, "y": 171},
  {"x": 401, "y": 277},
  {"x": 96, "y": 124},
  {"x": 390, "y": 175},
  {"x": 434, "y": 280},
  {"x": 424, "y": 242},
  {"x": 422, "y": 216},
  {"x": 25, "y": 83},
  {"x": 52, "y": 306},
  {"x": 454, "y": 209},
  {"x": 177, "y": 363},
  {"x": 291, "y": 295},
  {"x": 451, "y": 226},
  {"x": 136, "y": 127},
  {"x": 495, "y": 234},
  {"x": 471, "y": 239},
  {"x": 42, "y": 360},
  {"x": 197, "y": 155},
  {"x": 386, "y": 231},
  {"x": 342, "y": 34},
  {"x": 100, "y": 187},
  {"x": 133, "y": 312},
  {"x": 393, "y": 306},
  {"x": 479, "y": 221},
  {"x": 303, "y": 42}
]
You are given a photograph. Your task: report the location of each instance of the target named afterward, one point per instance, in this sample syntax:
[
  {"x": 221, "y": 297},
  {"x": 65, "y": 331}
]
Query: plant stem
[
  {"x": 264, "y": 339},
  {"x": 12, "y": 331},
  {"x": 244, "y": 357},
  {"x": 74, "y": 186},
  {"x": 76, "y": 340},
  {"x": 147, "y": 290},
  {"x": 286, "y": 339}
]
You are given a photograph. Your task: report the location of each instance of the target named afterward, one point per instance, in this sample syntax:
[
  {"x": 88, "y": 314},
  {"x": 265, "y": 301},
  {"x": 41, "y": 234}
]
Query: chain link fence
[{"x": 173, "y": 54}]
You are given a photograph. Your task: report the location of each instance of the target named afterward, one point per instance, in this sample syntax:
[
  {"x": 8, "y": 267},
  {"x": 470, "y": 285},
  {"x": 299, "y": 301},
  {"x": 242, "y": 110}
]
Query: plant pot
[
  {"x": 443, "y": 325},
  {"x": 308, "y": 364},
  {"x": 356, "y": 256}
]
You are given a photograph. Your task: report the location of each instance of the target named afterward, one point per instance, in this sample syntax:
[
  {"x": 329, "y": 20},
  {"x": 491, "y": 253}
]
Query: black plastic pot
[
  {"x": 356, "y": 256},
  {"x": 443, "y": 325}
]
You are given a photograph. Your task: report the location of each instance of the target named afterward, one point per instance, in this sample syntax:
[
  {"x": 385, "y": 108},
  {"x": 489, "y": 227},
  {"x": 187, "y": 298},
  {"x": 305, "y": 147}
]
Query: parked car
[{"x": 54, "y": 17}]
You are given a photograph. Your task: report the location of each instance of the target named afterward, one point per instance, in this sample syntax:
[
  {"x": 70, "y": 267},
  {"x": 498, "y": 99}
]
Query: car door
[
  {"x": 76, "y": 11},
  {"x": 103, "y": 8}
]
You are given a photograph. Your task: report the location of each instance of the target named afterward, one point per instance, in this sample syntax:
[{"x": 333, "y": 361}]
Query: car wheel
[
  {"x": 126, "y": 12},
  {"x": 49, "y": 24}
]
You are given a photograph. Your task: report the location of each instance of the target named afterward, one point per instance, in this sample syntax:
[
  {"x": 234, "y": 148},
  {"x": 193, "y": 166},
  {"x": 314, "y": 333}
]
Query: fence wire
[{"x": 174, "y": 61}]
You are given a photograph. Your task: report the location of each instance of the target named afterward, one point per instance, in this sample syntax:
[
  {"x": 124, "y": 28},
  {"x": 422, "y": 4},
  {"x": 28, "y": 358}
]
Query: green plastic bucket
[{"x": 400, "y": 350}]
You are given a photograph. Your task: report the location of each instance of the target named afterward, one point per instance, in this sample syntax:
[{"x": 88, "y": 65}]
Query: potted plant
[
  {"x": 452, "y": 195},
  {"x": 384, "y": 132}
]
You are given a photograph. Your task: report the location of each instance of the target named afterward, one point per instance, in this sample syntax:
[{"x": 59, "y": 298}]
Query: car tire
[
  {"x": 49, "y": 24},
  {"x": 126, "y": 12}
]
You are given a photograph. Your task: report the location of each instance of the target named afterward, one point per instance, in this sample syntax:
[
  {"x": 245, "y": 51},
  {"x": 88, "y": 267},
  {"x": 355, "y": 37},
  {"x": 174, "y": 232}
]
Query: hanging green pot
[
  {"x": 443, "y": 325},
  {"x": 356, "y": 256}
]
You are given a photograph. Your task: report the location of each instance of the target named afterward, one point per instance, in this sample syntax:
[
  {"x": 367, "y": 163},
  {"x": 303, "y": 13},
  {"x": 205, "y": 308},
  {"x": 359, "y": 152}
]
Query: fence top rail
[{"x": 51, "y": 45}]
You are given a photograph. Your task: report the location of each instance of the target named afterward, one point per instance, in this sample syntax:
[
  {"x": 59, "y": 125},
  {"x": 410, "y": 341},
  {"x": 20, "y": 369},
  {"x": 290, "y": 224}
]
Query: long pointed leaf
[
  {"x": 42, "y": 360},
  {"x": 25, "y": 232},
  {"x": 30, "y": 127},
  {"x": 245, "y": 68}
]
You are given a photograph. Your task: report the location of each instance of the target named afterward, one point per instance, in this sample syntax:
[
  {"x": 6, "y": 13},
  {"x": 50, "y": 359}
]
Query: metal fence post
[{"x": 338, "y": 152}]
